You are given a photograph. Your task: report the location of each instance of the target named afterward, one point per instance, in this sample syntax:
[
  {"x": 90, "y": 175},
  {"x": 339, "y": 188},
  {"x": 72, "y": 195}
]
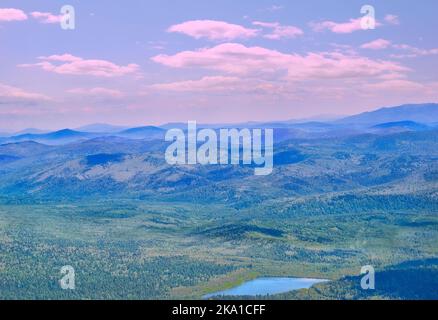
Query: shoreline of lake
[{"x": 267, "y": 286}]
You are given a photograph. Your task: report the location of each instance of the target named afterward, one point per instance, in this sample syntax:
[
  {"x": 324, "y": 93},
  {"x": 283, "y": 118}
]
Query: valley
[{"x": 134, "y": 227}]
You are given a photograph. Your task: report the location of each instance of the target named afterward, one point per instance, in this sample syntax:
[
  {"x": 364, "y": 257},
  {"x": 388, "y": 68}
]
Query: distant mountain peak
[
  {"x": 144, "y": 128},
  {"x": 65, "y": 133},
  {"x": 422, "y": 113},
  {"x": 30, "y": 131},
  {"x": 101, "y": 127}
]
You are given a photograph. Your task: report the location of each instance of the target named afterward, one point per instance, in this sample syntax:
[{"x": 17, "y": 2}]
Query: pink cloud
[
  {"x": 97, "y": 92},
  {"x": 403, "y": 87},
  {"x": 216, "y": 84},
  {"x": 233, "y": 58},
  {"x": 392, "y": 19},
  {"x": 10, "y": 94},
  {"x": 213, "y": 30},
  {"x": 413, "y": 52},
  {"x": 72, "y": 65},
  {"x": 225, "y": 85},
  {"x": 408, "y": 51},
  {"x": 377, "y": 44},
  {"x": 279, "y": 31},
  {"x": 46, "y": 17},
  {"x": 10, "y": 14},
  {"x": 275, "y": 8},
  {"x": 336, "y": 65},
  {"x": 266, "y": 24},
  {"x": 395, "y": 85},
  {"x": 340, "y": 27},
  {"x": 227, "y": 57},
  {"x": 61, "y": 57}
]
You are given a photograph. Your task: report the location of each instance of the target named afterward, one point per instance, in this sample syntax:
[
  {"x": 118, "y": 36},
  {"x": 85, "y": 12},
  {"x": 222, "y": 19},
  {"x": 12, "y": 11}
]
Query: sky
[{"x": 137, "y": 62}]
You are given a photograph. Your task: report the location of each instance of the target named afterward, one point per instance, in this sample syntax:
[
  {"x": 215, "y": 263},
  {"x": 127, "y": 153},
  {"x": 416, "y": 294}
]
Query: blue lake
[{"x": 265, "y": 286}]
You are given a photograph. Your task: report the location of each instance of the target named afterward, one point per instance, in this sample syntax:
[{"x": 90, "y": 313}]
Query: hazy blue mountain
[
  {"x": 312, "y": 166},
  {"x": 70, "y": 136},
  {"x": 282, "y": 130},
  {"x": 423, "y": 113},
  {"x": 183, "y": 125},
  {"x": 386, "y": 120},
  {"x": 318, "y": 118},
  {"x": 21, "y": 132},
  {"x": 29, "y": 131},
  {"x": 110, "y": 144},
  {"x": 306, "y": 126},
  {"x": 146, "y": 132},
  {"x": 56, "y": 137},
  {"x": 4, "y": 158},
  {"x": 65, "y": 133},
  {"x": 24, "y": 149},
  {"x": 401, "y": 125},
  {"x": 174, "y": 125},
  {"x": 101, "y": 127},
  {"x": 255, "y": 124}
]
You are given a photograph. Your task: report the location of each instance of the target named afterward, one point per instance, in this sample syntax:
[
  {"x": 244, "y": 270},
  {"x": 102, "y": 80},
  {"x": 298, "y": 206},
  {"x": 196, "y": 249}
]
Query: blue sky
[{"x": 151, "y": 62}]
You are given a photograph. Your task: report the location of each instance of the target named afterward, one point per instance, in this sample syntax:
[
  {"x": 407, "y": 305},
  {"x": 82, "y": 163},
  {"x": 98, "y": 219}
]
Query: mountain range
[
  {"x": 410, "y": 117},
  {"x": 340, "y": 195},
  {"x": 423, "y": 113}
]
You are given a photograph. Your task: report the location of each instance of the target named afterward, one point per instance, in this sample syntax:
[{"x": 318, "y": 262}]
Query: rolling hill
[
  {"x": 423, "y": 113},
  {"x": 411, "y": 117}
]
